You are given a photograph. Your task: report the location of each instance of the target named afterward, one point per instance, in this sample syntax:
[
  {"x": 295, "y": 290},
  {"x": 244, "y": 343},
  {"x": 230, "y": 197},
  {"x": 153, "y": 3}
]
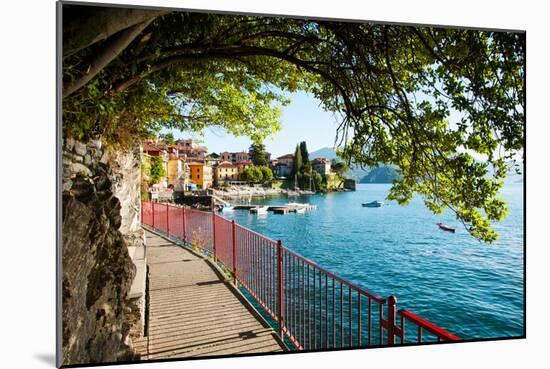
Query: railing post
[
  {"x": 153, "y": 208},
  {"x": 392, "y": 300},
  {"x": 183, "y": 222},
  {"x": 234, "y": 252},
  {"x": 213, "y": 228},
  {"x": 167, "y": 222},
  {"x": 280, "y": 287}
]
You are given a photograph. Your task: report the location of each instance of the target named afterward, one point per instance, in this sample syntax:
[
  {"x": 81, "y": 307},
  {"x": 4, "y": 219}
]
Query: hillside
[
  {"x": 382, "y": 174},
  {"x": 358, "y": 173}
]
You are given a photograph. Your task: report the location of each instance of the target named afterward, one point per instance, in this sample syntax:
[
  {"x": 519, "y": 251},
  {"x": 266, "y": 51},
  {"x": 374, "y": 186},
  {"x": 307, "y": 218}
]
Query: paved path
[{"x": 193, "y": 311}]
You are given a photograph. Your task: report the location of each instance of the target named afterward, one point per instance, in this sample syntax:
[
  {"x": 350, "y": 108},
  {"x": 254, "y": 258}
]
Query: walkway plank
[{"x": 194, "y": 312}]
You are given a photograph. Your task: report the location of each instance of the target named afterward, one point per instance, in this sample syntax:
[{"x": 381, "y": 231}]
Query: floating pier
[{"x": 280, "y": 209}]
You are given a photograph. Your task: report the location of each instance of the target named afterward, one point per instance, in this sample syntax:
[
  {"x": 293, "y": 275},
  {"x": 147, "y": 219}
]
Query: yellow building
[
  {"x": 177, "y": 172},
  {"x": 225, "y": 171},
  {"x": 173, "y": 170},
  {"x": 200, "y": 174}
]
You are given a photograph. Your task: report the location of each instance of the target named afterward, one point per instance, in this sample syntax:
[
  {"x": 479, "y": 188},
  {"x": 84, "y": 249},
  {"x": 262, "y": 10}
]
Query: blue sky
[{"x": 302, "y": 120}]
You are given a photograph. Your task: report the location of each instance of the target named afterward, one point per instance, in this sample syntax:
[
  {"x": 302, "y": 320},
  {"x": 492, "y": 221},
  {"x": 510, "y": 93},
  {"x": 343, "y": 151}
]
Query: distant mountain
[
  {"x": 325, "y": 152},
  {"x": 382, "y": 174}
]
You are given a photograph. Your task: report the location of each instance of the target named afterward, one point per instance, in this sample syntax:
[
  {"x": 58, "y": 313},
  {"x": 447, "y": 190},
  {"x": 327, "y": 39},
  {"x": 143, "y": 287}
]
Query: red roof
[
  {"x": 320, "y": 160},
  {"x": 287, "y": 156},
  {"x": 245, "y": 162},
  {"x": 225, "y": 164},
  {"x": 149, "y": 146}
]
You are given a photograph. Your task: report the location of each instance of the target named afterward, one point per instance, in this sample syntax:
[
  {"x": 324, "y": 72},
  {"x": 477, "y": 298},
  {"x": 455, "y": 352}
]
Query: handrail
[
  {"x": 440, "y": 333},
  {"x": 309, "y": 303},
  {"x": 314, "y": 264}
]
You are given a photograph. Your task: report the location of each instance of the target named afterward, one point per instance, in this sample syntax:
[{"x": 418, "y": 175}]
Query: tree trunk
[
  {"x": 110, "y": 51},
  {"x": 80, "y": 33}
]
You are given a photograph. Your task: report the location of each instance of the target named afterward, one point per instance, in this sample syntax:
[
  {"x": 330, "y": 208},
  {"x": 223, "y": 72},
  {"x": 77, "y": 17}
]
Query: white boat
[
  {"x": 259, "y": 209},
  {"x": 300, "y": 210},
  {"x": 291, "y": 193},
  {"x": 373, "y": 204},
  {"x": 228, "y": 208}
]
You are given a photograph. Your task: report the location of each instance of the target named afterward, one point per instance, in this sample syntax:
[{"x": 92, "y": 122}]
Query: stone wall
[
  {"x": 126, "y": 181},
  {"x": 126, "y": 186},
  {"x": 100, "y": 219}
]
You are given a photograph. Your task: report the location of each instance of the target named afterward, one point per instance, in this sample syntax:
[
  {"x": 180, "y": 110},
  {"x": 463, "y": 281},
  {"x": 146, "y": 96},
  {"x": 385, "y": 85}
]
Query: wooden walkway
[{"x": 193, "y": 311}]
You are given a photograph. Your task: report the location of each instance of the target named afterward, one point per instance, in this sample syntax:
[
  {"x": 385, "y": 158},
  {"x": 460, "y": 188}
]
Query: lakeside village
[{"x": 181, "y": 171}]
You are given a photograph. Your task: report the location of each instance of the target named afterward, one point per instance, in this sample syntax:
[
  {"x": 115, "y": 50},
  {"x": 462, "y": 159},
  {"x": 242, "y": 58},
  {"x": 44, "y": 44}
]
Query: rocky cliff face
[
  {"x": 126, "y": 179},
  {"x": 97, "y": 269}
]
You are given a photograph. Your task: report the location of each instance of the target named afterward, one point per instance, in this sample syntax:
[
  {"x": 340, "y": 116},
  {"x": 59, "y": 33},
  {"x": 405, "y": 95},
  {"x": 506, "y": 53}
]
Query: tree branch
[
  {"x": 80, "y": 33},
  {"x": 232, "y": 51},
  {"x": 110, "y": 51}
]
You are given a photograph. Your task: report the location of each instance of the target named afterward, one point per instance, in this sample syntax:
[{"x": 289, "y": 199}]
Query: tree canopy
[
  {"x": 446, "y": 106},
  {"x": 168, "y": 138},
  {"x": 257, "y": 174},
  {"x": 156, "y": 169},
  {"x": 258, "y": 154}
]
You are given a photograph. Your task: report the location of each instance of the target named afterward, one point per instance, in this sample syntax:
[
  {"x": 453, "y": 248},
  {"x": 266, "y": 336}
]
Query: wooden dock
[
  {"x": 194, "y": 311},
  {"x": 280, "y": 209}
]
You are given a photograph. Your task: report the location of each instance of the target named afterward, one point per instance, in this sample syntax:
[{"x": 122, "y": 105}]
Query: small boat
[
  {"x": 445, "y": 227},
  {"x": 259, "y": 209},
  {"x": 373, "y": 204},
  {"x": 306, "y": 193},
  {"x": 292, "y": 193},
  {"x": 300, "y": 210},
  {"x": 228, "y": 208}
]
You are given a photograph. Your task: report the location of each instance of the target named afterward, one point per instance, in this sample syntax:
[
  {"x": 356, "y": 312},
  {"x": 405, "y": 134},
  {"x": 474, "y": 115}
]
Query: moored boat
[
  {"x": 227, "y": 208},
  {"x": 262, "y": 209},
  {"x": 373, "y": 204},
  {"x": 445, "y": 227}
]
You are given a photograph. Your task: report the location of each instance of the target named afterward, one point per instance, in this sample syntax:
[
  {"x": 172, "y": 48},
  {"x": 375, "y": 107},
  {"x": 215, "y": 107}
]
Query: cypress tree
[
  {"x": 303, "y": 151},
  {"x": 297, "y": 160}
]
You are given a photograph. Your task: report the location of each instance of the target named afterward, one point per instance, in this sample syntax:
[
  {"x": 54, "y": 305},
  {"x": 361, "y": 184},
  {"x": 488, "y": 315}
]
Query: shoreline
[{"x": 247, "y": 191}]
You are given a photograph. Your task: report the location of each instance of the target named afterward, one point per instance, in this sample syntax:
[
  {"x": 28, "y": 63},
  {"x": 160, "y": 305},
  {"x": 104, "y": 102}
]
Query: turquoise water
[{"x": 470, "y": 288}]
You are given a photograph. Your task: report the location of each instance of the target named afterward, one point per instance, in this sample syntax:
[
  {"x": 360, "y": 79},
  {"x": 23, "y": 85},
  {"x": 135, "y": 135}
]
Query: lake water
[{"x": 470, "y": 288}]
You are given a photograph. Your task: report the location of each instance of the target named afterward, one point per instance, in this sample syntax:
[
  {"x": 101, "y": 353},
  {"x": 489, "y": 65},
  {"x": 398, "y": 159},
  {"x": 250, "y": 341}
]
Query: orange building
[{"x": 200, "y": 174}]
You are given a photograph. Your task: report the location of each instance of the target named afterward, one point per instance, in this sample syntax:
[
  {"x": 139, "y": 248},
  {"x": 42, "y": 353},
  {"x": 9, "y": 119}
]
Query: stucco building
[
  {"x": 226, "y": 171},
  {"x": 200, "y": 174},
  {"x": 321, "y": 165}
]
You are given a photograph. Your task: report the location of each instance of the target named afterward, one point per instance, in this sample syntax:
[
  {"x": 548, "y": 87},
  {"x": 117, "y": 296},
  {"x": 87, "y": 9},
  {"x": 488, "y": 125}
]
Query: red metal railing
[{"x": 314, "y": 308}]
